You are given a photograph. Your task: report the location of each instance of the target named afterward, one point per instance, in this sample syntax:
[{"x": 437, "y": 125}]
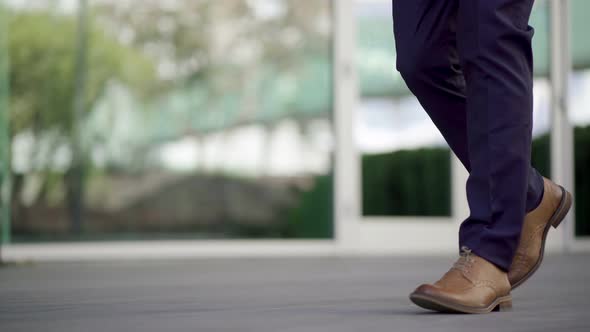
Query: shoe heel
[{"x": 563, "y": 210}]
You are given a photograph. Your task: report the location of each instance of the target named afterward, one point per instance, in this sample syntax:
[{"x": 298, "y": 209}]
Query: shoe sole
[
  {"x": 562, "y": 209},
  {"x": 503, "y": 303}
]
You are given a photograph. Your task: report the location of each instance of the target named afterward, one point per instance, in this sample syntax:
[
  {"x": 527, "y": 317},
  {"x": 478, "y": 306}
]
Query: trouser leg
[
  {"x": 494, "y": 43},
  {"x": 427, "y": 58}
]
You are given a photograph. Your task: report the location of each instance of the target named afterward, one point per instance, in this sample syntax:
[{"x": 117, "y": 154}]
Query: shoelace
[{"x": 465, "y": 261}]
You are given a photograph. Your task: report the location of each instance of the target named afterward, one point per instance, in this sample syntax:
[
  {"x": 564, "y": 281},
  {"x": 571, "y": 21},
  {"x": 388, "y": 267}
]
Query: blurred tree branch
[{"x": 219, "y": 42}]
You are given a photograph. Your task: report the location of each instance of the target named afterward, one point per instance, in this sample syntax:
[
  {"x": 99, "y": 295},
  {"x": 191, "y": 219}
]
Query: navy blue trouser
[{"x": 469, "y": 63}]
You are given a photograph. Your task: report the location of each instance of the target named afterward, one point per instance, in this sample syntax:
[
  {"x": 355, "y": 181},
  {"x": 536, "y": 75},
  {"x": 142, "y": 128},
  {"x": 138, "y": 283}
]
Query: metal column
[
  {"x": 347, "y": 195},
  {"x": 562, "y": 150}
]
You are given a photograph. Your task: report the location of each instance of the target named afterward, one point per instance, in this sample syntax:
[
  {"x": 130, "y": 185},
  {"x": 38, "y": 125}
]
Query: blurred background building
[{"x": 188, "y": 126}]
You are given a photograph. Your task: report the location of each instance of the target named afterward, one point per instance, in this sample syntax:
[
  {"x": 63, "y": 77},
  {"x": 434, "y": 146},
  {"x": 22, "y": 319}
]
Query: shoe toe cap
[{"x": 425, "y": 289}]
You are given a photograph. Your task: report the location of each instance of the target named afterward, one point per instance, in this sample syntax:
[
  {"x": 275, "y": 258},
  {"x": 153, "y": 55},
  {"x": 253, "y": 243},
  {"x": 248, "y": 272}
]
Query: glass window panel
[{"x": 171, "y": 119}]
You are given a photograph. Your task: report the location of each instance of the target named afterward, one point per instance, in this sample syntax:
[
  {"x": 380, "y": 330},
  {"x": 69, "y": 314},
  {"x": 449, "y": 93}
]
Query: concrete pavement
[{"x": 272, "y": 294}]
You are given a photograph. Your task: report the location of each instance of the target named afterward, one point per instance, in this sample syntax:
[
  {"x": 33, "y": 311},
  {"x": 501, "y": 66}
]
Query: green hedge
[
  {"x": 417, "y": 182},
  {"x": 582, "y": 179},
  {"x": 313, "y": 217},
  {"x": 395, "y": 183}
]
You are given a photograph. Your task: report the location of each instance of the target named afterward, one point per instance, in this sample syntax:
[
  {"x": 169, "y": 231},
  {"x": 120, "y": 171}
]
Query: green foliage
[
  {"x": 407, "y": 183},
  {"x": 42, "y": 48},
  {"x": 313, "y": 217},
  {"x": 540, "y": 155},
  {"x": 582, "y": 179},
  {"x": 42, "y": 56},
  {"x": 417, "y": 182}
]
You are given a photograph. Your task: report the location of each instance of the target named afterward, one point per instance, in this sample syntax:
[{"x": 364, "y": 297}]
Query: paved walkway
[{"x": 259, "y": 295}]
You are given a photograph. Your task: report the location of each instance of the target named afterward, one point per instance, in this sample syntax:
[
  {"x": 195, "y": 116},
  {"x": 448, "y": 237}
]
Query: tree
[
  {"x": 42, "y": 82},
  {"x": 42, "y": 52},
  {"x": 226, "y": 46}
]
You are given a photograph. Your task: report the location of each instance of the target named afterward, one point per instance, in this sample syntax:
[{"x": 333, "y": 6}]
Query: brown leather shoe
[
  {"x": 473, "y": 285},
  {"x": 554, "y": 206}
]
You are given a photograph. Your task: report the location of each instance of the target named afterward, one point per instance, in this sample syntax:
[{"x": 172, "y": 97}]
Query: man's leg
[
  {"x": 494, "y": 42},
  {"x": 481, "y": 101},
  {"x": 427, "y": 58}
]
